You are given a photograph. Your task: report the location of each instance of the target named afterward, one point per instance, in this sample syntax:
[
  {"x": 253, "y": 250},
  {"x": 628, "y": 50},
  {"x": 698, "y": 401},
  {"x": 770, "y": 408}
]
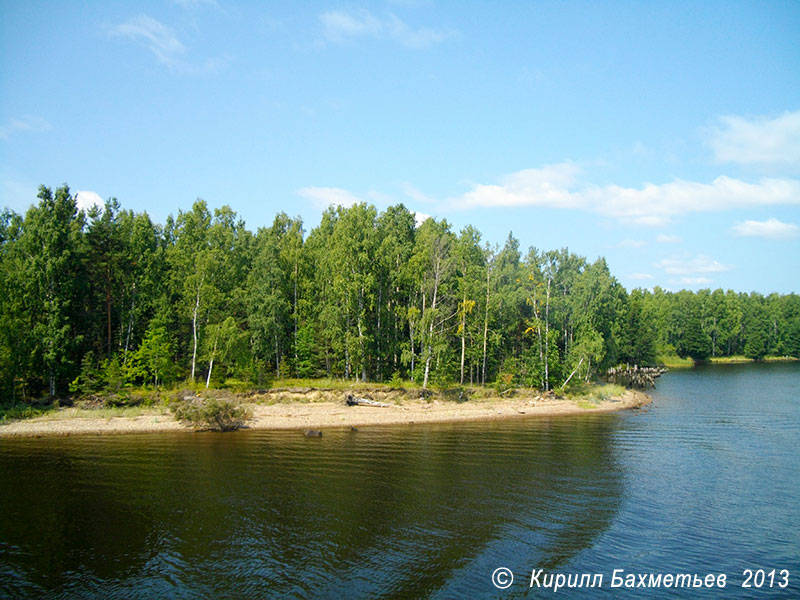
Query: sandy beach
[{"x": 328, "y": 414}]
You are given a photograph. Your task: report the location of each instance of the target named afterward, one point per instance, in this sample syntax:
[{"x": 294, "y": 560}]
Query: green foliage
[
  {"x": 211, "y": 414},
  {"x": 103, "y": 300},
  {"x": 153, "y": 359},
  {"x": 90, "y": 379},
  {"x": 19, "y": 411},
  {"x": 695, "y": 341},
  {"x": 505, "y": 377},
  {"x": 113, "y": 374}
]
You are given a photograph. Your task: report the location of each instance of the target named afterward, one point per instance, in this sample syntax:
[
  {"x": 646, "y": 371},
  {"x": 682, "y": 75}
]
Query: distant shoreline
[
  {"x": 327, "y": 414},
  {"x": 675, "y": 362}
]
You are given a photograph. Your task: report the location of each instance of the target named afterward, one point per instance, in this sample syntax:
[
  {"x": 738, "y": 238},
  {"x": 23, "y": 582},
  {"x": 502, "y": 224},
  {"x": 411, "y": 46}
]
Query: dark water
[{"x": 705, "y": 481}]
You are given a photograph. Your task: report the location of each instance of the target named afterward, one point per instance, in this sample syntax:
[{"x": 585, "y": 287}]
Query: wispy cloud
[
  {"x": 757, "y": 141},
  {"x": 691, "y": 280},
  {"x": 323, "y": 197},
  {"x": 685, "y": 265},
  {"x": 155, "y": 36},
  {"x": 771, "y": 229},
  {"x": 163, "y": 42},
  {"x": 640, "y": 276},
  {"x": 341, "y": 26},
  {"x": 663, "y": 238},
  {"x": 558, "y": 186},
  {"x": 25, "y": 124}
]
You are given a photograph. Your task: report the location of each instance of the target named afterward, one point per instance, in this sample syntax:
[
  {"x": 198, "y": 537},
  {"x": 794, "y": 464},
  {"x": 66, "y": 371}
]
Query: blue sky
[{"x": 664, "y": 136}]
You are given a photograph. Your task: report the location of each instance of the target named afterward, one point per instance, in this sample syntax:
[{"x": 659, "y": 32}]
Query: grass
[
  {"x": 140, "y": 401},
  {"x": 673, "y": 361},
  {"x": 589, "y": 395},
  {"x": 56, "y": 414},
  {"x": 107, "y": 412},
  {"x": 733, "y": 360},
  {"x": 21, "y": 411},
  {"x": 328, "y": 383}
]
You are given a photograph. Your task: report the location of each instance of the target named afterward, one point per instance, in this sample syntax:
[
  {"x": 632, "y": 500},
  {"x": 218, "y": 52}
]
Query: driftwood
[
  {"x": 312, "y": 433},
  {"x": 635, "y": 376},
  {"x": 353, "y": 401}
]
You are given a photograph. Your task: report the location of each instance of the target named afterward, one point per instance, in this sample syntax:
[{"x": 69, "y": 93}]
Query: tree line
[{"x": 95, "y": 300}]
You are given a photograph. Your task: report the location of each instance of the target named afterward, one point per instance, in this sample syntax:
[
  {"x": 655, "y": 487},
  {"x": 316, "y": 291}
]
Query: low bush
[
  {"x": 211, "y": 414},
  {"x": 18, "y": 411}
]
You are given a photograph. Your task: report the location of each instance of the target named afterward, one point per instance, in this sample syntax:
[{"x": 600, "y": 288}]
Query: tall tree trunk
[
  {"x": 538, "y": 325},
  {"x": 547, "y": 339},
  {"x": 295, "y": 316},
  {"x": 362, "y": 350},
  {"x": 430, "y": 331},
  {"x": 108, "y": 314},
  {"x": 411, "y": 339},
  {"x": 463, "y": 336},
  {"x": 485, "y": 325},
  {"x": 359, "y": 323},
  {"x": 379, "y": 375},
  {"x": 130, "y": 325},
  {"x": 194, "y": 325},
  {"x": 211, "y": 363},
  {"x": 277, "y": 356}
]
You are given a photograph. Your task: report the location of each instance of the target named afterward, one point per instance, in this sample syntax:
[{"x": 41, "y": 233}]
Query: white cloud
[
  {"x": 663, "y": 238},
  {"x": 557, "y": 186},
  {"x": 640, "y": 276},
  {"x": 546, "y": 186},
  {"x": 86, "y": 199},
  {"x": 690, "y": 266},
  {"x": 771, "y": 229},
  {"x": 757, "y": 141},
  {"x": 28, "y": 123},
  {"x": 691, "y": 280},
  {"x": 155, "y": 36},
  {"x": 420, "y": 218},
  {"x": 323, "y": 197},
  {"x": 165, "y": 45},
  {"x": 340, "y": 26}
]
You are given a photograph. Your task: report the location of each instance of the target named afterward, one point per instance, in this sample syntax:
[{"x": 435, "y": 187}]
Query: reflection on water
[
  {"x": 706, "y": 480},
  {"x": 393, "y": 512}
]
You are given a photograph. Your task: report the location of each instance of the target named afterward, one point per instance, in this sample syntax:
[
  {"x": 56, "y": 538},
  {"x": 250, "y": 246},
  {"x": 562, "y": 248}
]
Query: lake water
[{"x": 707, "y": 480}]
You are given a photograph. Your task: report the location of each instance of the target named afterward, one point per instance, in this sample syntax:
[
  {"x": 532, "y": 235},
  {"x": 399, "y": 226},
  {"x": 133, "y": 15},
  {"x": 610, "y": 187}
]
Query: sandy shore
[{"x": 326, "y": 414}]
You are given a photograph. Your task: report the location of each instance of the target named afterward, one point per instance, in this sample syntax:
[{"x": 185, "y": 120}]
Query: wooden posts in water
[{"x": 635, "y": 376}]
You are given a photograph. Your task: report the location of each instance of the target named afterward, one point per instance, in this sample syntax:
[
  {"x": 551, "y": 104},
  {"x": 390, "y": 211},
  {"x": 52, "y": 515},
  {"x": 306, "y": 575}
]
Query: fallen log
[{"x": 353, "y": 401}]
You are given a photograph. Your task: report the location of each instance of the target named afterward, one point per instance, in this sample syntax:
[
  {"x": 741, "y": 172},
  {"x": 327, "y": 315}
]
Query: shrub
[
  {"x": 211, "y": 414},
  {"x": 18, "y": 411}
]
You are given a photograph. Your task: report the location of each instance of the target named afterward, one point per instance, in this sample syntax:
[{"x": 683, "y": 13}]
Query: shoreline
[
  {"x": 675, "y": 362},
  {"x": 329, "y": 415}
]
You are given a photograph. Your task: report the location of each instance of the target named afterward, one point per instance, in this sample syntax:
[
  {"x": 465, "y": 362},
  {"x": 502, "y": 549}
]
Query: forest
[{"x": 97, "y": 300}]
